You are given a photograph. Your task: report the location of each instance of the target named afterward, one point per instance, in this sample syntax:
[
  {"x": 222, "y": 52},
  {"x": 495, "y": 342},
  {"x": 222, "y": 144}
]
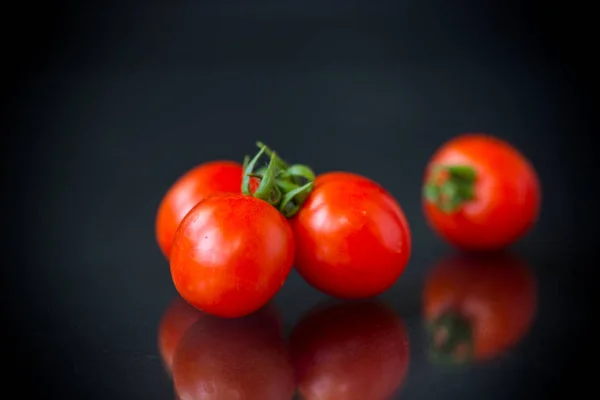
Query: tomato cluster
[
  {"x": 241, "y": 227},
  {"x": 341, "y": 350},
  {"x": 233, "y": 231}
]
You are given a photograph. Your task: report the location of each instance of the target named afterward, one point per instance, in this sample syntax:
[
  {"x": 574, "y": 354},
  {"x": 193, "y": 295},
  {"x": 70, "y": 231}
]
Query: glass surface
[
  {"x": 457, "y": 326},
  {"x": 117, "y": 101}
]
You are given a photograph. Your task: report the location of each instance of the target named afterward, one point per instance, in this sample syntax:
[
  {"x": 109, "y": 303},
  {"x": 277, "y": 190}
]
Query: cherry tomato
[
  {"x": 243, "y": 358},
  {"x": 477, "y": 307},
  {"x": 350, "y": 351},
  {"x": 175, "y": 321},
  {"x": 188, "y": 190},
  {"x": 480, "y": 193},
  {"x": 231, "y": 254},
  {"x": 352, "y": 237}
]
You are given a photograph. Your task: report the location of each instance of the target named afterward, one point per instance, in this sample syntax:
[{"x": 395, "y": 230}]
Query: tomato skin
[
  {"x": 231, "y": 254},
  {"x": 495, "y": 294},
  {"x": 350, "y": 351},
  {"x": 175, "y": 321},
  {"x": 352, "y": 237},
  {"x": 192, "y": 187},
  {"x": 507, "y": 194},
  {"x": 243, "y": 358}
]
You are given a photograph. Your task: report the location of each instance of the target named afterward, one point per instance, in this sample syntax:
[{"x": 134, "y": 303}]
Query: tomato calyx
[
  {"x": 286, "y": 187},
  {"x": 451, "y": 339},
  {"x": 449, "y": 187}
]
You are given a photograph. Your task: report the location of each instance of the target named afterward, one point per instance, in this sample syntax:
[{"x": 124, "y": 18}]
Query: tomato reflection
[
  {"x": 229, "y": 359},
  {"x": 478, "y": 306},
  {"x": 347, "y": 351},
  {"x": 175, "y": 321}
]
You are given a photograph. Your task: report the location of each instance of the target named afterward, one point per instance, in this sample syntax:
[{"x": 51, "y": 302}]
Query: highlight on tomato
[
  {"x": 477, "y": 307},
  {"x": 192, "y": 187},
  {"x": 175, "y": 321},
  {"x": 242, "y": 358},
  {"x": 480, "y": 192},
  {"x": 352, "y": 239},
  {"x": 351, "y": 351}
]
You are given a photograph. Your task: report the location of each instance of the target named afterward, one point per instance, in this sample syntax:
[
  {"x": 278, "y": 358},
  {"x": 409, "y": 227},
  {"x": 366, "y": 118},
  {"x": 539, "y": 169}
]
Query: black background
[{"x": 105, "y": 106}]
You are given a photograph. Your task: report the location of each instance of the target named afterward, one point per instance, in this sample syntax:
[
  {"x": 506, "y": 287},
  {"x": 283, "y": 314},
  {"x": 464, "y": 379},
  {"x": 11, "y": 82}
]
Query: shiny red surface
[
  {"x": 192, "y": 187},
  {"x": 231, "y": 254},
  {"x": 352, "y": 237},
  {"x": 507, "y": 194}
]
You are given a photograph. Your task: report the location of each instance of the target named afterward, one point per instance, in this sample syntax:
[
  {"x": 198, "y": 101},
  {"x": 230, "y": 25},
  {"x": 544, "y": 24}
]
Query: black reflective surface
[
  {"x": 113, "y": 103},
  {"x": 463, "y": 325}
]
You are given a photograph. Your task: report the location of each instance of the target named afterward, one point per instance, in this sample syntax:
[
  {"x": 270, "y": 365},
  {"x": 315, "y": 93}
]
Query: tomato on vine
[
  {"x": 233, "y": 252},
  {"x": 478, "y": 306},
  {"x": 480, "y": 193},
  {"x": 351, "y": 236}
]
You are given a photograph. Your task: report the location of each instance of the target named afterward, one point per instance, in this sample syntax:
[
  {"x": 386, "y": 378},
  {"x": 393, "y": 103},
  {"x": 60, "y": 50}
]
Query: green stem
[
  {"x": 451, "y": 339},
  {"x": 249, "y": 167},
  {"x": 280, "y": 162},
  {"x": 267, "y": 190},
  {"x": 297, "y": 172},
  {"x": 293, "y": 200},
  {"x": 284, "y": 186},
  {"x": 449, "y": 187},
  {"x": 245, "y": 162}
]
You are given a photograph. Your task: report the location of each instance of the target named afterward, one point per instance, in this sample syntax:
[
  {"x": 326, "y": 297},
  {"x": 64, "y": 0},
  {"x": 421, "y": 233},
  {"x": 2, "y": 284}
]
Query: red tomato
[
  {"x": 243, "y": 358},
  {"x": 478, "y": 306},
  {"x": 231, "y": 254},
  {"x": 195, "y": 185},
  {"x": 175, "y": 321},
  {"x": 352, "y": 237},
  {"x": 480, "y": 193},
  {"x": 350, "y": 351}
]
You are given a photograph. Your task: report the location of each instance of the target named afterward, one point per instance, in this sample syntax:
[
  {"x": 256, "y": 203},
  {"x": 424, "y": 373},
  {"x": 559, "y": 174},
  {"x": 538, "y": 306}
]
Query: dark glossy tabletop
[{"x": 114, "y": 103}]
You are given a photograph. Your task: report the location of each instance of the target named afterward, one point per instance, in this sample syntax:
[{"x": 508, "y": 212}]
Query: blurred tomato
[
  {"x": 175, "y": 321},
  {"x": 478, "y": 306},
  {"x": 228, "y": 359},
  {"x": 480, "y": 192},
  {"x": 348, "y": 351}
]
